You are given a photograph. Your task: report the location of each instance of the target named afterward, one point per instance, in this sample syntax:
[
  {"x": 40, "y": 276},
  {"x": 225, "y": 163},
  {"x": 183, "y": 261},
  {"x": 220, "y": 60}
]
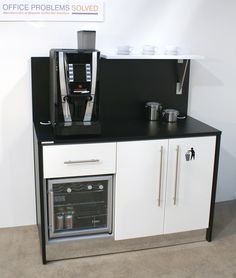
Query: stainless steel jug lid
[
  {"x": 169, "y": 111},
  {"x": 153, "y": 104}
]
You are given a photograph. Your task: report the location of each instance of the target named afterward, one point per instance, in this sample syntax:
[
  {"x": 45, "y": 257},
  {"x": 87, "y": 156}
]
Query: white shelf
[{"x": 152, "y": 57}]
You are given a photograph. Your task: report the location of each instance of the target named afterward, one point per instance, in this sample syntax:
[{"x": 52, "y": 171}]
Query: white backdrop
[{"x": 206, "y": 27}]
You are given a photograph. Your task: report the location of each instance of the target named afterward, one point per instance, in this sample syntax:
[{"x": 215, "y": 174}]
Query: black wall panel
[
  {"x": 125, "y": 86},
  {"x": 40, "y": 88}
]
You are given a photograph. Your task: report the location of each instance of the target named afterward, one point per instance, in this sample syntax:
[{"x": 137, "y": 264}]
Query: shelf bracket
[{"x": 180, "y": 83}]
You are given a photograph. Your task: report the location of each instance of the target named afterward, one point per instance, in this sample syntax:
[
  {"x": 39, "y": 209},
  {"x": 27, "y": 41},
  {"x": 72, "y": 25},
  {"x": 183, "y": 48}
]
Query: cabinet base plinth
[{"x": 107, "y": 245}]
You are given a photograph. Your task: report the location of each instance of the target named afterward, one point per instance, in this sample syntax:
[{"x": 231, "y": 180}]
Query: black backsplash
[
  {"x": 40, "y": 88},
  {"x": 124, "y": 87}
]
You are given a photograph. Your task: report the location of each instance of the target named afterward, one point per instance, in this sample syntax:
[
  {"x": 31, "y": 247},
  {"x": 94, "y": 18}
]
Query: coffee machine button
[
  {"x": 68, "y": 190},
  {"x": 90, "y": 187},
  {"x": 89, "y": 98}
]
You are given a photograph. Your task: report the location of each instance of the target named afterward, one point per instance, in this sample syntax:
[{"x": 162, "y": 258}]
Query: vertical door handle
[
  {"x": 51, "y": 224},
  {"x": 160, "y": 178},
  {"x": 176, "y": 174}
]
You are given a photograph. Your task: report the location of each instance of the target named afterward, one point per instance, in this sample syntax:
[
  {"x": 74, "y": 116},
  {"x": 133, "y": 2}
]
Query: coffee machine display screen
[{"x": 79, "y": 73}]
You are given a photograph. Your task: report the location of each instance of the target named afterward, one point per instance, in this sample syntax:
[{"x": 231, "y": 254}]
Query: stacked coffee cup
[
  {"x": 149, "y": 50},
  {"x": 124, "y": 50}
]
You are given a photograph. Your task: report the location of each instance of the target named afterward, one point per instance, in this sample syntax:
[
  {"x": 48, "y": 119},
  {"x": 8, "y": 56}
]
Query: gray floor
[{"x": 20, "y": 256}]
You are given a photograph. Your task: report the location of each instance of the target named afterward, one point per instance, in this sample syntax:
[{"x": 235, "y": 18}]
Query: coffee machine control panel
[{"x": 79, "y": 72}]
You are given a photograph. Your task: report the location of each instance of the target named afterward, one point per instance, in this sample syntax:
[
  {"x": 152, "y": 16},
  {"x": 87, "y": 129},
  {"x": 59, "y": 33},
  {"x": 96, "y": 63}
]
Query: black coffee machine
[{"x": 74, "y": 92}]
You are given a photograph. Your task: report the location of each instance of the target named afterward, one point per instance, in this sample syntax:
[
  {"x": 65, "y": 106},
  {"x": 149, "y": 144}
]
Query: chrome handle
[
  {"x": 160, "y": 178},
  {"x": 176, "y": 174},
  {"x": 70, "y": 162},
  {"x": 51, "y": 225},
  {"x": 45, "y": 123},
  {"x": 63, "y": 87},
  {"x": 90, "y": 104}
]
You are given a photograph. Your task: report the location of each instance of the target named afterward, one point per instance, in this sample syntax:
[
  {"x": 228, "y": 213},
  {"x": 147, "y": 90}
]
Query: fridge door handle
[{"x": 51, "y": 226}]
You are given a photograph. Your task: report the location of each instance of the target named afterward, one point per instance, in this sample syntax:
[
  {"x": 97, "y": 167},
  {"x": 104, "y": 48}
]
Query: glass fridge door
[{"x": 80, "y": 206}]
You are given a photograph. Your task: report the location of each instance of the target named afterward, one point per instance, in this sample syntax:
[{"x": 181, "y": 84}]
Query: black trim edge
[{"x": 214, "y": 184}]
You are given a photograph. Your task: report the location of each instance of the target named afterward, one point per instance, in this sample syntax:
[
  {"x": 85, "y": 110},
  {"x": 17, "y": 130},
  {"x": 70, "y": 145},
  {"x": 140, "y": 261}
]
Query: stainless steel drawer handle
[
  {"x": 70, "y": 162},
  {"x": 160, "y": 178},
  {"x": 176, "y": 175}
]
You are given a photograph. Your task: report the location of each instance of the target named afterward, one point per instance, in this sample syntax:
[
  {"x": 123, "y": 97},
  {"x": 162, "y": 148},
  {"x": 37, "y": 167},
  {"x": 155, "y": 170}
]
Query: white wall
[{"x": 206, "y": 27}]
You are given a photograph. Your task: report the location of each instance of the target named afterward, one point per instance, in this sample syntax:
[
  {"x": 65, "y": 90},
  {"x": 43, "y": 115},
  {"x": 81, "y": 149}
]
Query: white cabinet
[
  {"x": 140, "y": 188},
  {"x": 145, "y": 167},
  {"x": 157, "y": 191}
]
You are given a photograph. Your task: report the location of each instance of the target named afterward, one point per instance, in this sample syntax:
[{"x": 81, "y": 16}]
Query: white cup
[
  {"x": 183, "y": 51},
  {"x": 124, "y": 49},
  {"x": 149, "y": 49},
  {"x": 171, "y": 49},
  {"x": 159, "y": 50}
]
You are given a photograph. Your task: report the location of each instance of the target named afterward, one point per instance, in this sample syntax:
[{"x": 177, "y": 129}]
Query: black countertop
[{"x": 114, "y": 131}]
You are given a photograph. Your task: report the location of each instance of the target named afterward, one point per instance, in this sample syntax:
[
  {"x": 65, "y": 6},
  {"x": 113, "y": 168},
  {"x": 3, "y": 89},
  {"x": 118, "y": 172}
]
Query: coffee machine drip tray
[{"x": 77, "y": 128}]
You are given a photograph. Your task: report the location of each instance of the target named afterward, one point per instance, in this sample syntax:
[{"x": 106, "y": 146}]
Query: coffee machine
[{"x": 74, "y": 101}]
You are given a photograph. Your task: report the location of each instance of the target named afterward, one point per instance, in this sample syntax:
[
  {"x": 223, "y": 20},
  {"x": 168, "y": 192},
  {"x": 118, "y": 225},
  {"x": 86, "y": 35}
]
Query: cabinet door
[
  {"x": 139, "y": 189},
  {"x": 189, "y": 183}
]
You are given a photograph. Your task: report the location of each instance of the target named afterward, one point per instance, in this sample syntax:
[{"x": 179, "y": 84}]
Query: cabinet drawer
[{"x": 79, "y": 160}]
